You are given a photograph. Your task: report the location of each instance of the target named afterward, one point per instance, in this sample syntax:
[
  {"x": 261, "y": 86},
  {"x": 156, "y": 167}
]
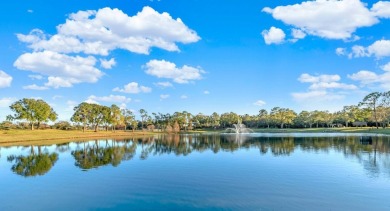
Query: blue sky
[{"x": 193, "y": 55}]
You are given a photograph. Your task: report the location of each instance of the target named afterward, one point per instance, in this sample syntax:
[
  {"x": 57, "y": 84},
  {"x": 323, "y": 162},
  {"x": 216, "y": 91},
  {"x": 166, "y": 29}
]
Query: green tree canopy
[{"x": 33, "y": 111}]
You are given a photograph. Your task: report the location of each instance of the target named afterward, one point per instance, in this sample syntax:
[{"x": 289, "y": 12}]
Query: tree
[
  {"x": 303, "y": 119},
  {"x": 128, "y": 118},
  {"x": 263, "y": 118},
  {"x": 33, "y": 111},
  {"x": 371, "y": 101},
  {"x": 81, "y": 114},
  {"x": 144, "y": 116},
  {"x": 117, "y": 117},
  {"x": 282, "y": 116},
  {"x": 348, "y": 114},
  {"x": 215, "y": 120}
]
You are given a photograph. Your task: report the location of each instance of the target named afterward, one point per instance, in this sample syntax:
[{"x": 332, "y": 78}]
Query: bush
[{"x": 62, "y": 125}]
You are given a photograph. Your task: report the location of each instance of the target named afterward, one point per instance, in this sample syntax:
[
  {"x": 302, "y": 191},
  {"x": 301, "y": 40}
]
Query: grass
[
  {"x": 52, "y": 136},
  {"x": 9, "y": 137}
]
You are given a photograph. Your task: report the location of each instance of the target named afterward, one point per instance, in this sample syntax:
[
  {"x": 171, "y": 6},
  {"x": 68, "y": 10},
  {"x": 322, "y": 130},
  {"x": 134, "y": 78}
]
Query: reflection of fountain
[
  {"x": 237, "y": 138},
  {"x": 239, "y": 128}
]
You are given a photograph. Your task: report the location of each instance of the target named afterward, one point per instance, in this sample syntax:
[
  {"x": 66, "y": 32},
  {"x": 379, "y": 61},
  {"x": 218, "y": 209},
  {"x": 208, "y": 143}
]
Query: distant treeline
[{"x": 373, "y": 110}]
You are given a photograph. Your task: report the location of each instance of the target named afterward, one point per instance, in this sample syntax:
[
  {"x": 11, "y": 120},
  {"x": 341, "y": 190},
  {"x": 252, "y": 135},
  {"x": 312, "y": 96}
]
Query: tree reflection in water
[
  {"x": 33, "y": 164},
  {"x": 100, "y": 153},
  {"x": 374, "y": 156}
]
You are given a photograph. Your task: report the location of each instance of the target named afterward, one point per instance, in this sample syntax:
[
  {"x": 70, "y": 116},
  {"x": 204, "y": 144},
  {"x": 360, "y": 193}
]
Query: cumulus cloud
[
  {"x": 66, "y": 57},
  {"x": 330, "y": 19},
  {"x": 101, "y": 31},
  {"x": 259, "y": 103},
  {"x": 322, "y": 87},
  {"x": 184, "y": 97},
  {"x": 298, "y": 34},
  {"x": 133, "y": 88},
  {"x": 5, "y": 79},
  {"x": 386, "y": 67},
  {"x": 109, "y": 99},
  {"x": 381, "y": 9},
  {"x": 63, "y": 70},
  {"x": 35, "y": 87},
  {"x": 317, "y": 96},
  {"x": 369, "y": 78},
  {"x": 107, "y": 64},
  {"x": 273, "y": 36},
  {"x": 341, "y": 51},
  {"x": 206, "y": 92},
  {"x": 166, "y": 69},
  {"x": 378, "y": 49},
  {"x": 325, "y": 82}
]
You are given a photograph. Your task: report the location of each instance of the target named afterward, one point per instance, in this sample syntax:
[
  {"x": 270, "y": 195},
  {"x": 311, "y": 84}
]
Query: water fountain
[{"x": 239, "y": 128}]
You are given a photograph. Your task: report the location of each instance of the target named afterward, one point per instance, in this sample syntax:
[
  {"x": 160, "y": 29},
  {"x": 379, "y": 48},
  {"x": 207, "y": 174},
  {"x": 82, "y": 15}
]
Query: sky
[{"x": 194, "y": 55}]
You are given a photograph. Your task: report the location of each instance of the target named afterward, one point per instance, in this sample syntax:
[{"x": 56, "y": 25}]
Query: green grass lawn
[{"x": 52, "y": 135}]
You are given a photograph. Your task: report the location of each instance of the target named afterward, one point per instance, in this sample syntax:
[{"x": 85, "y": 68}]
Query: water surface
[{"x": 234, "y": 172}]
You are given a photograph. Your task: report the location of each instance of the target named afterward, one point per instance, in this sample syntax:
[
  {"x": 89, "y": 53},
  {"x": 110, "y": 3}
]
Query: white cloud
[
  {"x": 163, "y": 84},
  {"x": 30, "y": 11},
  {"x": 381, "y": 9},
  {"x": 316, "y": 96},
  {"x": 332, "y": 85},
  {"x": 184, "y": 97},
  {"x": 322, "y": 88},
  {"x": 5, "y": 79},
  {"x": 379, "y": 49},
  {"x": 99, "y": 32},
  {"x": 35, "y": 77},
  {"x": 323, "y": 82},
  {"x": 306, "y": 78},
  {"x": 298, "y": 34},
  {"x": 107, "y": 64},
  {"x": 273, "y": 36},
  {"x": 369, "y": 78},
  {"x": 110, "y": 99},
  {"x": 133, "y": 88},
  {"x": 206, "y": 92},
  {"x": 259, "y": 103},
  {"x": 165, "y": 69},
  {"x": 6, "y": 101},
  {"x": 386, "y": 67},
  {"x": 164, "y": 96},
  {"x": 57, "y": 82},
  {"x": 331, "y": 19},
  {"x": 35, "y": 87},
  {"x": 63, "y": 70},
  {"x": 341, "y": 51}
]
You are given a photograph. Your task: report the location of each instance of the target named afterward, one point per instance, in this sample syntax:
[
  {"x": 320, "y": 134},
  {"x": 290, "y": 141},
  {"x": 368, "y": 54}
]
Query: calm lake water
[{"x": 184, "y": 172}]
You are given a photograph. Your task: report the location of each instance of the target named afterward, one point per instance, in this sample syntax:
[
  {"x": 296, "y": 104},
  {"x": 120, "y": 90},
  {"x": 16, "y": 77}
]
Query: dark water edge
[{"x": 211, "y": 172}]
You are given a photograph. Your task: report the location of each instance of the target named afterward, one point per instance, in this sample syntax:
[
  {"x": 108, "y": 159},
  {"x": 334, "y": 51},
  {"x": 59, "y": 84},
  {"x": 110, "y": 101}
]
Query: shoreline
[{"x": 52, "y": 136}]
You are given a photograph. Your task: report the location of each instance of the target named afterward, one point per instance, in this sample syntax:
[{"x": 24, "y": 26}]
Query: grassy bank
[
  {"x": 59, "y": 136},
  {"x": 51, "y": 136}
]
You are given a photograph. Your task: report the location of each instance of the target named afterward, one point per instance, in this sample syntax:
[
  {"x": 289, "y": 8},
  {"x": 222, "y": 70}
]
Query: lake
[{"x": 213, "y": 171}]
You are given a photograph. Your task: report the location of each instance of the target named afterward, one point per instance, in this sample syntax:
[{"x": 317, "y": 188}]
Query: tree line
[{"x": 373, "y": 110}]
